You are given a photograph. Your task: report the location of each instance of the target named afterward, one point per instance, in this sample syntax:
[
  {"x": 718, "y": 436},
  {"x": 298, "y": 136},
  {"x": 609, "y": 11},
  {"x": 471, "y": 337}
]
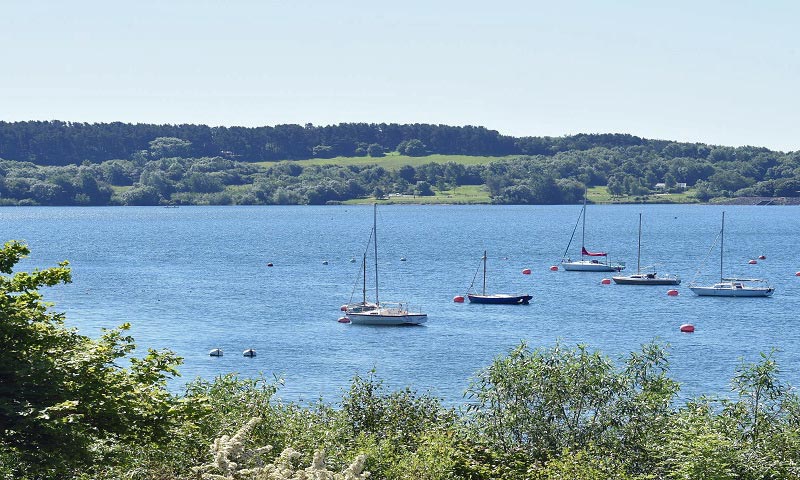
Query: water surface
[{"x": 194, "y": 278}]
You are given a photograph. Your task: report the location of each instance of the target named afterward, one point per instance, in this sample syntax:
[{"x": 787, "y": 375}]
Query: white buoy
[
  {"x": 250, "y": 352},
  {"x": 215, "y": 352}
]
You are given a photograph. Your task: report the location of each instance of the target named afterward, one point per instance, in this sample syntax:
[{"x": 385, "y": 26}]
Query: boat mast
[
  {"x": 639, "y": 251},
  {"x": 721, "y": 245},
  {"x": 583, "y": 229},
  {"x": 484, "y": 272},
  {"x": 375, "y": 237}
]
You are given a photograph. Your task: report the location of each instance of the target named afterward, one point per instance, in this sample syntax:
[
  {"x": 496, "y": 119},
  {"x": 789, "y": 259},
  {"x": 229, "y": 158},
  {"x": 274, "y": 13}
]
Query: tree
[
  {"x": 323, "y": 151},
  {"x": 163, "y": 147},
  {"x": 63, "y": 398},
  {"x": 412, "y": 148},
  {"x": 375, "y": 150},
  {"x": 546, "y": 400},
  {"x": 423, "y": 189},
  {"x": 407, "y": 173},
  {"x": 200, "y": 182},
  {"x": 615, "y": 187},
  {"x": 141, "y": 195},
  {"x": 669, "y": 181}
]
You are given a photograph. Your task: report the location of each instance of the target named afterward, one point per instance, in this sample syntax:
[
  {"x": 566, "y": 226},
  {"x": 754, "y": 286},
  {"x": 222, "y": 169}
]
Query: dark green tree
[
  {"x": 375, "y": 150},
  {"x": 162, "y": 147},
  {"x": 64, "y": 400}
]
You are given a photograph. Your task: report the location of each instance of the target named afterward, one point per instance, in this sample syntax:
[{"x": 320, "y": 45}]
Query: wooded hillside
[{"x": 59, "y": 163}]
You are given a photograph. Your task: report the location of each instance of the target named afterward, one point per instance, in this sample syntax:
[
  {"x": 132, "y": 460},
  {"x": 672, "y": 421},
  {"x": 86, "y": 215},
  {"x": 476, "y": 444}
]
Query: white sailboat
[
  {"x": 596, "y": 261},
  {"x": 384, "y": 313},
  {"x": 646, "y": 278},
  {"x": 364, "y": 305},
  {"x": 732, "y": 287}
]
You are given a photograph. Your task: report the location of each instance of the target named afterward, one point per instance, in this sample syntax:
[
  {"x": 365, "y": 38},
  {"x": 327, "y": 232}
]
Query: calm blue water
[{"x": 194, "y": 278}]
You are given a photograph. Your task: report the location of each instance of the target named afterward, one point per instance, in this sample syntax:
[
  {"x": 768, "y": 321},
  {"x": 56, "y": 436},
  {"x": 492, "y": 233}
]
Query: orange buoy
[
  {"x": 554, "y": 268},
  {"x": 687, "y": 328},
  {"x": 672, "y": 293},
  {"x": 606, "y": 281},
  {"x": 343, "y": 320},
  {"x": 269, "y": 264},
  {"x": 458, "y": 299},
  {"x": 762, "y": 257},
  {"x": 527, "y": 271},
  {"x": 752, "y": 262},
  {"x": 343, "y": 308}
]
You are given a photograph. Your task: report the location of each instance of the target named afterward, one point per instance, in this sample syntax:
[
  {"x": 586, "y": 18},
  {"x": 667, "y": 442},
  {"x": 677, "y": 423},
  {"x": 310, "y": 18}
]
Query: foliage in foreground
[{"x": 69, "y": 411}]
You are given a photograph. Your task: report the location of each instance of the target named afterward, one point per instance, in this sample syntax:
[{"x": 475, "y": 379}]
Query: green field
[
  {"x": 601, "y": 195},
  {"x": 394, "y": 161},
  {"x": 465, "y": 194}
]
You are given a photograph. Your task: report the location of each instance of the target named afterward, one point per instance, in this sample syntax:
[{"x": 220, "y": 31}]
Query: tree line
[
  {"x": 74, "y": 407},
  {"x": 176, "y": 171},
  {"x": 73, "y": 143},
  {"x": 64, "y": 143}
]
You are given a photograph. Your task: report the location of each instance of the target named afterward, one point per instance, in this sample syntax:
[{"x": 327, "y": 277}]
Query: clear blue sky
[{"x": 718, "y": 72}]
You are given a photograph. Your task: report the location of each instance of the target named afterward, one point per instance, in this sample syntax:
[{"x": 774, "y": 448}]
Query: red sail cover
[{"x": 592, "y": 254}]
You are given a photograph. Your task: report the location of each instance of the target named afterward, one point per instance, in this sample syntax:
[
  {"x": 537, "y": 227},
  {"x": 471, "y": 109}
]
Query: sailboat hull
[
  {"x": 387, "y": 317},
  {"x": 591, "y": 266},
  {"x": 645, "y": 280},
  {"x": 500, "y": 299},
  {"x": 727, "y": 290}
]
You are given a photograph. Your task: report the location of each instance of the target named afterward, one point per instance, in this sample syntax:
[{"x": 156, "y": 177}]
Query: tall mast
[
  {"x": 583, "y": 229},
  {"x": 375, "y": 237},
  {"x": 721, "y": 245},
  {"x": 484, "y": 272},
  {"x": 639, "y": 252}
]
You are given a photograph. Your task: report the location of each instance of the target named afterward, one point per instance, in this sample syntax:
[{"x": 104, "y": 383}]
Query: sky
[{"x": 716, "y": 72}]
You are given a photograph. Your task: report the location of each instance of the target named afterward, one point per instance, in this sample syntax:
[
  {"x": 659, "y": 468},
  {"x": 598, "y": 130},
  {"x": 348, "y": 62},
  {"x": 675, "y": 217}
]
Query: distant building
[{"x": 678, "y": 186}]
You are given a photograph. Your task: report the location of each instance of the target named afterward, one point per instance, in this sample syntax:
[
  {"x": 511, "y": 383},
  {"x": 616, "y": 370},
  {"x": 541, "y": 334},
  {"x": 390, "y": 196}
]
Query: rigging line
[
  {"x": 573, "y": 232},
  {"x": 705, "y": 259},
  {"x": 361, "y": 268},
  {"x": 475, "y": 276}
]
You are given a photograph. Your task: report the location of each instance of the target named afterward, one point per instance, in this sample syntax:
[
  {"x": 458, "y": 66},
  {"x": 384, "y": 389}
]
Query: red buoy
[
  {"x": 343, "y": 308},
  {"x": 458, "y": 299},
  {"x": 606, "y": 281},
  {"x": 762, "y": 257},
  {"x": 527, "y": 271},
  {"x": 687, "y": 328},
  {"x": 672, "y": 293},
  {"x": 752, "y": 262},
  {"x": 554, "y": 268},
  {"x": 797, "y": 274},
  {"x": 344, "y": 320},
  {"x": 269, "y": 264}
]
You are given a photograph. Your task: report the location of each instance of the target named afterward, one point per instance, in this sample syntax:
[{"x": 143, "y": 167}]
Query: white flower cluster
[{"x": 230, "y": 456}]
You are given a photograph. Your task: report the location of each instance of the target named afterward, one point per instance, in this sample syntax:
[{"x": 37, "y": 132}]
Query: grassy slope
[
  {"x": 468, "y": 194},
  {"x": 601, "y": 195},
  {"x": 394, "y": 161}
]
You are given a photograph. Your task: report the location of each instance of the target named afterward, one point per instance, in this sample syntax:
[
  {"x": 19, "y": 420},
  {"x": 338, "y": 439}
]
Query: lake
[{"x": 195, "y": 278}]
